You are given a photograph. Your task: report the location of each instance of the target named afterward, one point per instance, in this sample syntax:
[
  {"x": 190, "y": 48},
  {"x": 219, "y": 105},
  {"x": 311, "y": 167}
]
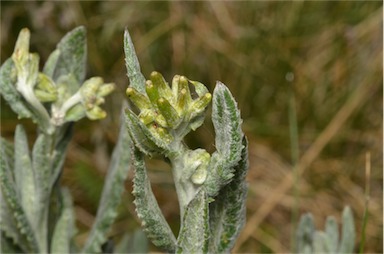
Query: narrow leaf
[
  {"x": 24, "y": 177},
  {"x": 227, "y": 123},
  {"x": 136, "y": 79},
  {"x": 194, "y": 232},
  {"x": 111, "y": 195},
  {"x": 227, "y": 213},
  {"x": 348, "y": 232},
  {"x": 25, "y": 236},
  {"x": 305, "y": 233},
  {"x": 50, "y": 64},
  {"x": 147, "y": 208},
  {"x": 65, "y": 226},
  {"x": 332, "y": 235},
  {"x": 319, "y": 242},
  {"x": 8, "y": 90},
  {"x": 73, "y": 54}
]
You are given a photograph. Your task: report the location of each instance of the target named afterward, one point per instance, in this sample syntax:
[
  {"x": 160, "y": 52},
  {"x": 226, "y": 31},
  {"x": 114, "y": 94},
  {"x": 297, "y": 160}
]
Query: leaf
[
  {"x": 24, "y": 176},
  {"x": 227, "y": 123},
  {"x": 305, "y": 233},
  {"x": 348, "y": 232},
  {"x": 73, "y": 55},
  {"x": 8, "y": 90},
  {"x": 194, "y": 232},
  {"x": 111, "y": 195},
  {"x": 319, "y": 242},
  {"x": 227, "y": 213},
  {"x": 332, "y": 235},
  {"x": 142, "y": 137},
  {"x": 147, "y": 208},
  {"x": 136, "y": 79},
  {"x": 65, "y": 226},
  {"x": 13, "y": 219}
]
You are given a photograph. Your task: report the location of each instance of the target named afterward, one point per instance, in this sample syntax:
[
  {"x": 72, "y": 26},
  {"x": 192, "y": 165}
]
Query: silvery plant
[
  {"x": 37, "y": 213},
  {"x": 310, "y": 240}
]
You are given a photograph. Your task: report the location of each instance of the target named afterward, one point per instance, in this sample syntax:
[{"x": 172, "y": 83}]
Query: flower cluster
[
  {"x": 65, "y": 103},
  {"x": 170, "y": 112}
]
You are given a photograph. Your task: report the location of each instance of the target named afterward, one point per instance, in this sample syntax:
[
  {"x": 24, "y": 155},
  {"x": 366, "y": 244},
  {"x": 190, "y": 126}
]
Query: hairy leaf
[
  {"x": 305, "y": 233},
  {"x": 319, "y": 242},
  {"x": 14, "y": 222},
  {"x": 135, "y": 76},
  {"x": 24, "y": 177},
  {"x": 73, "y": 54},
  {"x": 227, "y": 123},
  {"x": 147, "y": 208},
  {"x": 50, "y": 64},
  {"x": 8, "y": 90},
  {"x": 227, "y": 212},
  {"x": 65, "y": 226},
  {"x": 194, "y": 232},
  {"x": 348, "y": 232},
  {"x": 332, "y": 235},
  {"x": 111, "y": 195}
]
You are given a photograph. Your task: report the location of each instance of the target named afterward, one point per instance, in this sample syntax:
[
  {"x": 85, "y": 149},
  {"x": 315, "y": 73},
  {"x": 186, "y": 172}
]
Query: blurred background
[{"x": 307, "y": 77}]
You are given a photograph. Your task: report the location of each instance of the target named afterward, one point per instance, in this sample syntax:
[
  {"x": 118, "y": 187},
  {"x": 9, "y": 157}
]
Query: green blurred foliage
[{"x": 265, "y": 52}]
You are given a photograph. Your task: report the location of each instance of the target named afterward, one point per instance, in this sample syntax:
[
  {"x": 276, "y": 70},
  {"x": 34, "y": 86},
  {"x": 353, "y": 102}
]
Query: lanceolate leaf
[
  {"x": 227, "y": 212},
  {"x": 9, "y": 92},
  {"x": 113, "y": 188},
  {"x": 142, "y": 137},
  {"x": 24, "y": 177},
  {"x": 65, "y": 226},
  {"x": 25, "y": 236},
  {"x": 305, "y": 234},
  {"x": 136, "y": 79},
  {"x": 227, "y": 123},
  {"x": 50, "y": 64},
  {"x": 147, "y": 208},
  {"x": 332, "y": 234},
  {"x": 73, "y": 53},
  {"x": 348, "y": 232},
  {"x": 194, "y": 232}
]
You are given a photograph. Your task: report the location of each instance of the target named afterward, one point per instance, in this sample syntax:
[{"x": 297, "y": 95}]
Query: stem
[
  {"x": 367, "y": 197},
  {"x": 182, "y": 172},
  {"x": 293, "y": 134}
]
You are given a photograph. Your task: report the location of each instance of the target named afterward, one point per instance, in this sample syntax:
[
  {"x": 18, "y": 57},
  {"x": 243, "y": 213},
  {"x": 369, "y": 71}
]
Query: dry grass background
[{"x": 325, "y": 56}]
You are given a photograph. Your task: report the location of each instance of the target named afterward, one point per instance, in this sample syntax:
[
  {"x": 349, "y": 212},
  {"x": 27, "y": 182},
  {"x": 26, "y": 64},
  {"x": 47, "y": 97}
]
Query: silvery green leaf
[
  {"x": 227, "y": 123},
  {"x": 194, "y": 232},
  {"x": 111, "y": 195},
  {"x": 24, "y": 176},
  {"x": 332, "y": 234},
  {"x": 147, "y": 208},
  {"x": 73, "y": 54},
  {"x": 8, "y": 90},
  {"x": 14, "y": 212},
  {"x": 65, "y": 226},
  {"x": 348, "y": 232},
  {"x": 142, "y": 137},
  {"x": 41, "y": 162},
  {"x": 135, "y": 76},
  {"x": 227, "y": 213},
  {"x": 319, "y": 242},
  {"x": 50, "y": 64},
  {"x": 304, "y": 234}
]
